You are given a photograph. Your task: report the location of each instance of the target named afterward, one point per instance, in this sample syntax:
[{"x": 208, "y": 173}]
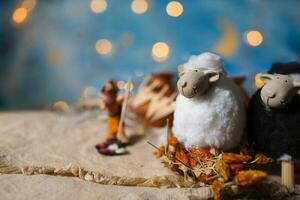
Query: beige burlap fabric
[{"x": 62, "y": 146}]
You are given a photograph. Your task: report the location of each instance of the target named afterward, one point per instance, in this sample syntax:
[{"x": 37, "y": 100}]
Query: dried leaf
[
  {"x": 200, "y": 164},
  {"x": 261, "y": 159},
  {"x": 236, "y": 158},
  {"x": 193, "y": 162},
  {"x": 160, "y": 152},
  {"x": 203, "y": 178},
  {"x": 181, "y": 156},
  {"x": 223, "y": 169},
  {"x": 174, "y": 167},
  {"x": 207, "y": 178},
  {"x": 236, "y": 167},
  {"x": 200, "y": 152},
  {"x": 249, "y": 177},
  {"x": 218, "y": 189},
  {"x": 172, "y": 141}
]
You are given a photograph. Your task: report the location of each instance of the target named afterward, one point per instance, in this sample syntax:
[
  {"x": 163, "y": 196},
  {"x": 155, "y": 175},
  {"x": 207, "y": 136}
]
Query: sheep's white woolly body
[{"x": 216, "y": 119}]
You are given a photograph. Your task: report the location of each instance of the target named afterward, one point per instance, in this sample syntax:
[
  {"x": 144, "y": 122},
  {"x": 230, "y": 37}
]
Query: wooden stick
[
  {"x": 154, "y": 146},
  {"x": 169, "y": 134},
  {"x": 169, "y": 129},
  {"x": 287, "y": 174},
  {"x": 124, "y": 107}
]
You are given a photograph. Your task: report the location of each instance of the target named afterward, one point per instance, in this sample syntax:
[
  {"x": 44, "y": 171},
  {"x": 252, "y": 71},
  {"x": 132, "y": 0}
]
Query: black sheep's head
[{"x": 278, "y": 89}]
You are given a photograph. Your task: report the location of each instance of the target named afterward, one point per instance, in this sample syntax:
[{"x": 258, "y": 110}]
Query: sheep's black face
[
  {"x": 195, "y": 82},
  {"x": 278, "y": 90}
]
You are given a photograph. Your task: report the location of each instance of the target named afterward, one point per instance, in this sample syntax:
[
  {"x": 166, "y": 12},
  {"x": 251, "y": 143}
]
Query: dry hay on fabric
[
  {"x": 19, "y": 187},
  {"x": 46, "y": 143},
  {"x": 226, "y": 172},
  {"x": 34, "y": 143},
  {"x": 97, "y": 177}
]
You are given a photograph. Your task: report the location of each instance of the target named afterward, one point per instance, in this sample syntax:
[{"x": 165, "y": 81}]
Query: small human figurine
[{"x": 112, "y": 103}]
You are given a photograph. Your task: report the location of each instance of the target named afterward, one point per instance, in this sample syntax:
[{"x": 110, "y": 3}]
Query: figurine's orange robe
[
  {"x": 114, "y": 113},
  {"x": 113, "y": 125}
]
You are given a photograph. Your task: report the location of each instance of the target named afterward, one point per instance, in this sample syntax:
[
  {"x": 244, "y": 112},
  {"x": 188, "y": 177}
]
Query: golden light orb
[
  {"x": 160, "y": 51},
  {"x": 29, "y": 4},
  {"x": 128, "y": 86},
  {"x": 254, "y": 38},
  {"x": 19, "y": 15},
  {"x": 98, "y": 6},
  {"x": 104, "y": 47},
  {"x": 139, "y": 6},
  {"x": 174, "y": 9}
]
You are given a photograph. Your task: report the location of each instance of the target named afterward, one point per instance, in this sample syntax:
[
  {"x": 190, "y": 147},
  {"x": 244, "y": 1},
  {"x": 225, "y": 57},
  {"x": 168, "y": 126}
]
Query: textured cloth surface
[
  {"x": 55, "y": 140},
  {"x": 52, "y": 139}
]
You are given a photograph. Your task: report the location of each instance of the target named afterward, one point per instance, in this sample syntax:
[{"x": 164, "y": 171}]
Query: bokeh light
[
  {"x": 29, "y": 4},
  {"x": 129, "y": 86},
  {"x": 19, "y": 15},
  {"x": 103, "y": 46},
  {"x": 160, "y": 51},
  {"x": 98, "y": 6},
  {"x": 254, "y": 38},
  {"x": 174, "y": 9},
  {"x": 65, "y": 46},
  {"x": 139, "y": 6}
]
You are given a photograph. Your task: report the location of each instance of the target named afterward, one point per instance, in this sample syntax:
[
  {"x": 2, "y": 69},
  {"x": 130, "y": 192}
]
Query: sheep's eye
[
  {"x": 286, "y": 81},
  {"x": 196, "y": 70}
]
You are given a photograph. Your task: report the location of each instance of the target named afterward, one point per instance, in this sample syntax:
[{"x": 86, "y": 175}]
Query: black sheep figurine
[{"x": 273, "y": 124}]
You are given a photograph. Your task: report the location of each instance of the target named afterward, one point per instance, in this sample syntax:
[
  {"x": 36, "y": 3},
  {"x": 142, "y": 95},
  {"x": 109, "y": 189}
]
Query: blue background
[{"x": 70, "y": 29}]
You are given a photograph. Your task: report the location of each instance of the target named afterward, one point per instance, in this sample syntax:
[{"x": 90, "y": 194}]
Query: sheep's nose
[
  {"x": 183, "y": 83},
  {"x": 271, "y": 94}
]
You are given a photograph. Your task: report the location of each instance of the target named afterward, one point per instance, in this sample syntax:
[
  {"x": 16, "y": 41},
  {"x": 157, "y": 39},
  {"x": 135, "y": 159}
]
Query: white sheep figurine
[{"x": 209, "y": 109}]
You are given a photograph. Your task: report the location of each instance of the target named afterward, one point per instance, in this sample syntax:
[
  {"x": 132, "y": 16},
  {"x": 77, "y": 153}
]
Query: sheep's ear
[
  {"x": 212, "y": 75},
  {"x": 258, "y": 81},
  {"x": 180, "y": 70},
  {"x": 265, "y": 77},
  {"x": 297, "y": 85}
]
